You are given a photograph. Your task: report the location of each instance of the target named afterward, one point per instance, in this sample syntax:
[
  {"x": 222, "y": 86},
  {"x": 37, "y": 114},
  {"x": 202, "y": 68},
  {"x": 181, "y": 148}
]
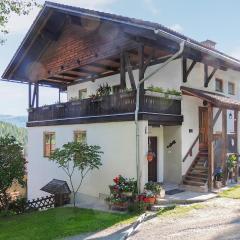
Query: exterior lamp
[{"x": 230, "y": 116}]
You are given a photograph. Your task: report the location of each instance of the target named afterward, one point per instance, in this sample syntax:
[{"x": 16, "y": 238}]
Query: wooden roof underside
[{"x": 37, "y": 59}]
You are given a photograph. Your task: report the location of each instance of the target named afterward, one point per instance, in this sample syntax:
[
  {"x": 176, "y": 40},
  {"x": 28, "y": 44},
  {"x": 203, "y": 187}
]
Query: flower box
[
  {"x": 127, "y": 194},
  {"x": 150, "y": 200}
]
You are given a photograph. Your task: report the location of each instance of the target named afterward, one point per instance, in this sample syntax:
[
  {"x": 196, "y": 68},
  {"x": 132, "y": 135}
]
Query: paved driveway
[{"x": 218, "y": 220}]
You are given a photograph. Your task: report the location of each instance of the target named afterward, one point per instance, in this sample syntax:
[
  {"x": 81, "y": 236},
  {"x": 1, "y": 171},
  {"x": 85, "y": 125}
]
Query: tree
[
  {"x": 77, "y": 157},
  {"x": 20, "y": 7},
  {"x": 12, "y": 167}
]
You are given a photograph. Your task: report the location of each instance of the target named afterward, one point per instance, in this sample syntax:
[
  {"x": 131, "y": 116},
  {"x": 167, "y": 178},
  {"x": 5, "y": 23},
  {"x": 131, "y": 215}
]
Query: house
[{"x": 78, "y": 50}]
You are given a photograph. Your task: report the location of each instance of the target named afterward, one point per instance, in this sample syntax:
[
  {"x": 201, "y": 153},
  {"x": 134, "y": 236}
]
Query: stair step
[
  {"x": 193, "y": 183},
  {"x": 199, "y": 179},
  {"x": 199, "y": 168},
  {"x": 198, "y": 175}
]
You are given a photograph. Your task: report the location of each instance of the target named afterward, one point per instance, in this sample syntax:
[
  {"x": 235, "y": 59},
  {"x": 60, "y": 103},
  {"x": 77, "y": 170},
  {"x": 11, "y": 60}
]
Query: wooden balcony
[{"x": 116, "y": 107}]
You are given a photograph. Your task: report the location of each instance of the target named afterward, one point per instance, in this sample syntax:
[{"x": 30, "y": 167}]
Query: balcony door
[
  {"x": 152, "y": 166},
  {"x": 203, "y": 127}
]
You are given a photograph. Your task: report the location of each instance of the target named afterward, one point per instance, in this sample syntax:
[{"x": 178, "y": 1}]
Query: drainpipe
[{"x": 177, "y": 54}]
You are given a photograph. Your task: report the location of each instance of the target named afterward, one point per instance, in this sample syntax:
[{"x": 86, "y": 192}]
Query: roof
[
  {"x": 159, "y": 31},
  {"x": 56, "y": 187},
  {"x": 218, "y": 100}
]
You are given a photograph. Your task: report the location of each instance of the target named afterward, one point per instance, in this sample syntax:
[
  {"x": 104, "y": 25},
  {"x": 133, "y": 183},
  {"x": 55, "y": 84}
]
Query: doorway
[
  {"x": 203, "y": 127},
  {"x": 152, "y": 166}
]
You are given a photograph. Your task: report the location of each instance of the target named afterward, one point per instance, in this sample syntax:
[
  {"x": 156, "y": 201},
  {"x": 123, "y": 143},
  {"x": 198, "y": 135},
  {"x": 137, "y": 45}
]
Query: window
[
  {"x": 231, "y": 88},
  {"x": 49, "y": 142},
  {"x": 219, "y": 85},
  {"x": 80, "y": 136},
  {"x": 82, "y": 94}
]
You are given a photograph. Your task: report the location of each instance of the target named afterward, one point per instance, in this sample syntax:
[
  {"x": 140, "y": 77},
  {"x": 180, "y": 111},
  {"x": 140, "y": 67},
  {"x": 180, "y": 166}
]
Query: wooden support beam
[
  {"x": 129, "y": 70},
  {"x": 224, "y": 146},
  {"x": 141, "y": 73},
  {"x": 236, "y": 141},
  {"x": 34, "y": 95},
  {"x": 148, "y": 61},
  {"x": 122, "y": 71},
  {"x": 29, "y": 95},
  {"x": 210, "y": 147},
  {"x": 207, "y": 78},
  {"x": 217, "y": 116},
  {"x": 187, "y": 71}
]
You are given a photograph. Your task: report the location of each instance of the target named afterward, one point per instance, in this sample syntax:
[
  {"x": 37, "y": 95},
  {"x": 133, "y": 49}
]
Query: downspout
[{"x": 177, "y": 54}]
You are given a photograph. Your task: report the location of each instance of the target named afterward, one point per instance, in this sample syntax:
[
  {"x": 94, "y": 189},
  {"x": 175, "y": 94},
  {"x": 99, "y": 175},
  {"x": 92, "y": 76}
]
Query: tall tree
[
  {"x": 20, "y": 7},
  {"x": 77, "y": 158},
  {"x": 12, "y": 167}
]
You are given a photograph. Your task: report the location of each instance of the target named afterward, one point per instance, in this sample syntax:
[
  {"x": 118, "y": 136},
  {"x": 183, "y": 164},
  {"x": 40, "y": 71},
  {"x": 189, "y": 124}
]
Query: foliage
[
  {"x": 18, "y": 206},
  {"x": 9, "y": 129},
  {"x": 149, "y": 194},
  {"x": 58, "y": 223},
  {"x": 218, "y": 174},
  {"x": 233, "y": 192},
  {"x": 77, "y": 157},
  {"x": 19, "y": 7},
  {"x": 232, "y": 162},
  {"x": 153, "y": 186},
  {"x": 12, "y": 167},
  {"x": 166, "y": 92},
  {"x": 103, "y": 90},
  {"x": 138, "y": 207}
]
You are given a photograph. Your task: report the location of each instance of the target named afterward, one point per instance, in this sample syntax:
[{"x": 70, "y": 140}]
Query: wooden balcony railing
[{"x": 119, "y": 103}]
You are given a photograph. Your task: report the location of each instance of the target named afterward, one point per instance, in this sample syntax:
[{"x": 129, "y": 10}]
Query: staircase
[{"x": 197, "y": 175}]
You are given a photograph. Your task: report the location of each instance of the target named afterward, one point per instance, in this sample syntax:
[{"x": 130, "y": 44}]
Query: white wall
[{"x": 117, "y": 141}]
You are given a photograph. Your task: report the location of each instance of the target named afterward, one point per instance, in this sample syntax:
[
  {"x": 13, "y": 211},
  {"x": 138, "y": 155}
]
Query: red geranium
[{"x": 116, "y": 180}]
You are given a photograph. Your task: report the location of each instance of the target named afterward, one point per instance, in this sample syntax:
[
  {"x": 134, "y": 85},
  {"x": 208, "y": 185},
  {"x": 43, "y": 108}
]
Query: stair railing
[{"x": 189, "y": 152}]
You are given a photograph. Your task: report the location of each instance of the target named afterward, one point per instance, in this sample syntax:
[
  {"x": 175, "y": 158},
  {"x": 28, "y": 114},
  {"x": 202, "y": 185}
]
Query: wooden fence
[{"x": 41, "y": 203}]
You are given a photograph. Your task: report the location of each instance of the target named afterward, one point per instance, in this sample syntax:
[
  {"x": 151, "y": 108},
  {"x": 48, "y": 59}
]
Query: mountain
[
  {"x": 19, "y": 121},
  {"x": 9, "y": 129}
]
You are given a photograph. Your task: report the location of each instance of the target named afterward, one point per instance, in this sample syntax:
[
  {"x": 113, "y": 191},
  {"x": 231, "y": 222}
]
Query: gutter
[{"x": 177, "y": 54}]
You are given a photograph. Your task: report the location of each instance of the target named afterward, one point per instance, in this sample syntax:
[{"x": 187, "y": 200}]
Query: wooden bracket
[
  {"x": 207, "y": 78},
  {"x": 129, "y": 70},
  {"x": 187, "y": 71},
  {"x": 33, "y": 99},
  {"x": 217, "y": 116}
]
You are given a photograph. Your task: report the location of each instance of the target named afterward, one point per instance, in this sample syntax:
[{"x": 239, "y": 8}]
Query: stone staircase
[{"x": 196, "y": 178}]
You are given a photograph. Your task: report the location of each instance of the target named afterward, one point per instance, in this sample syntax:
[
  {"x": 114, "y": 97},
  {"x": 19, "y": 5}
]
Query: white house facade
[{"x": 191, "y": 130}]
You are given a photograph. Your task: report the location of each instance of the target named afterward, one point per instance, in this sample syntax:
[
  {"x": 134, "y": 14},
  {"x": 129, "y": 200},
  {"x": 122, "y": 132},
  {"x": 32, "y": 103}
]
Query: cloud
[
  {"x": 177, "y": 27},
  {"x": 150, "y": 5}
]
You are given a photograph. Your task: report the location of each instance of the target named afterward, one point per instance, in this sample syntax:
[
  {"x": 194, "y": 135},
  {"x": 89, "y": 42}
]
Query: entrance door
[
  {"x": 203, "y": 127},
  {"x": 152, "y": 166}
]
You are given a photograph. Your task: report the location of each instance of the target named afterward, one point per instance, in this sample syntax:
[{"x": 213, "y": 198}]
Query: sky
[{"x": 216, "y": 20}]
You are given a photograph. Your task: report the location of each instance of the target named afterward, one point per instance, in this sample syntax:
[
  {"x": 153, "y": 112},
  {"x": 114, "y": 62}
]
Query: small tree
[
  {"x": 12, "y": 167},
  {"x": 77, "y": 157}
]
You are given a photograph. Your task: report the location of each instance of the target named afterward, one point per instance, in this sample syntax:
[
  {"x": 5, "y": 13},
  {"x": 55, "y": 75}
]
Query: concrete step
[
  {"x": 202, "y": 189},
  {"x": 193, "y": 183},
  {"x": 200, "y": 175},
  {"x": 199, "y": 179},
  {"x": 157, "y": 207}
]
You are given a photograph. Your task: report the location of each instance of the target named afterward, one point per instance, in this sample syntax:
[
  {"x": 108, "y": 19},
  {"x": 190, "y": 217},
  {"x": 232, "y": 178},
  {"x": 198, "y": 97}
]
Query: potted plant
[
  {"x": 149, "y": 197},
  {"x": 231, "y": 164},
  {"x": 156, "y": 188},
  {"x": 218, "y": 177}
]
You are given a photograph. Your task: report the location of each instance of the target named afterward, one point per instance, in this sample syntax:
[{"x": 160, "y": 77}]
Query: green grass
[
  {"x": 58, "y": 223},
  {"x": 174, "y": 211},
  {"x": 233, "y": 192}
]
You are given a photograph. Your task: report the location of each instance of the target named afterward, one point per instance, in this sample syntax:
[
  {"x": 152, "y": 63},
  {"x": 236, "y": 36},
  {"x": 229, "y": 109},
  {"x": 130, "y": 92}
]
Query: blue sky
[{"x": 201, "y": 20}]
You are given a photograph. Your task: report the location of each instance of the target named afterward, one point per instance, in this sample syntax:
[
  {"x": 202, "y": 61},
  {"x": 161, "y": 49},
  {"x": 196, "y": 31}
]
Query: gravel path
[{"x": 219, "y": 219}]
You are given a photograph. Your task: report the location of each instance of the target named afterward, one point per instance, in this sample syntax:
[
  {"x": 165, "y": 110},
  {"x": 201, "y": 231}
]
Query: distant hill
[
  {"x": 19, "y": 121},
  {"x": 18, "y": 132}
]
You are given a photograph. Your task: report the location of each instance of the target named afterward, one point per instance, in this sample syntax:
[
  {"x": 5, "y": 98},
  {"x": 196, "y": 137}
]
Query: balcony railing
[{"x": 115, "y": 104}]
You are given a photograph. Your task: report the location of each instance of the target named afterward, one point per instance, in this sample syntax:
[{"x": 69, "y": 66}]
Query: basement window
[
  {"x": 49, "y": 142},
  {"x": 219, "y": 85},
  {"x": 231, "y": 88},
  {"x": 80, "y": 136}
]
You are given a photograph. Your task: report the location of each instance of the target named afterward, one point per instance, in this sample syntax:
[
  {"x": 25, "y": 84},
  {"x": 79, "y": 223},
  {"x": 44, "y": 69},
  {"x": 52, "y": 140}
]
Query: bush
[
  {"x": 18, "y": 206},
  {"x": 138, "y": 207}
]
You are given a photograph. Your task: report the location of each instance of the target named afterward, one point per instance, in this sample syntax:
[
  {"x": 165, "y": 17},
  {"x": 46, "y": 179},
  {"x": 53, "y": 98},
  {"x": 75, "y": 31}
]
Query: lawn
[
  {"x": 57, "y": 223},
  {"x": 233, "y": 192}
]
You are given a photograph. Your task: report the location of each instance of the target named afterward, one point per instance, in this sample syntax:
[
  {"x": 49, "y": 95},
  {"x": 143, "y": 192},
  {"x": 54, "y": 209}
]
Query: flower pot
[
  {"x": 218, "y": 184},
  {"x": 161, "y": 193},
  {"x": 150, "y": 200},
  {"x": 120, "y": 205},
  {"x": 127, "y": 194},
  {"x": 150, "y": 156}
]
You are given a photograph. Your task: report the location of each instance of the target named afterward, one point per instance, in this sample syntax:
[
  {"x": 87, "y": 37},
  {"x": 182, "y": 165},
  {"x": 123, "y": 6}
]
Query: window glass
[
  {"x": 231, "y": 88},
  {"x": 80, "y": 136},
  {"x": 49, "y": 143},
  {"x": 219, "y": 85},
  {"x": 82, "y": 94}
]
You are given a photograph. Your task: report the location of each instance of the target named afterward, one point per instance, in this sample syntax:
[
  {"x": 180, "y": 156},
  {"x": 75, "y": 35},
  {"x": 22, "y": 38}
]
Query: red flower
[{"x": 116, "y": 180}]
